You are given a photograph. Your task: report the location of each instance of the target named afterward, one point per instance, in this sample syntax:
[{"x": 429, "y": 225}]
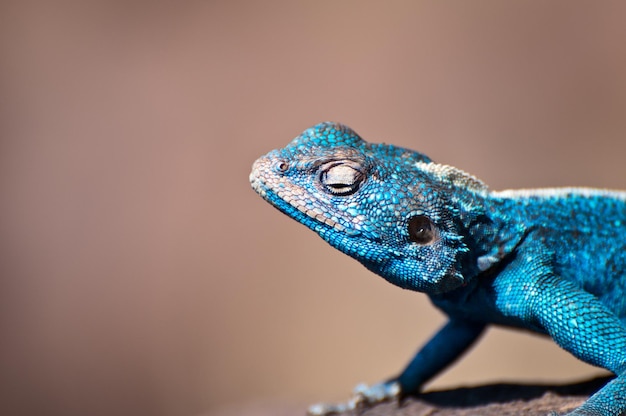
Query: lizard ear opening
[{"x": 422, "y": 230}]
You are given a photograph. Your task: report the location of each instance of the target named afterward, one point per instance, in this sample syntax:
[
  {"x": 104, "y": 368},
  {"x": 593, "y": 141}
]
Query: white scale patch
[
  {"x": 453, "y": 175},
  {"x": 559, "y": 192}
]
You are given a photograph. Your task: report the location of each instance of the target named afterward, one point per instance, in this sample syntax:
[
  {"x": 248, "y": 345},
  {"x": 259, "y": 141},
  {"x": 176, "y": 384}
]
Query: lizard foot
[{"x": 363, "y": 396}]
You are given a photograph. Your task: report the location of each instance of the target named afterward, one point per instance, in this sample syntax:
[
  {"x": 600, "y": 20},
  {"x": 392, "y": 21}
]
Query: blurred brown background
[{"x": 140, "y": 274}]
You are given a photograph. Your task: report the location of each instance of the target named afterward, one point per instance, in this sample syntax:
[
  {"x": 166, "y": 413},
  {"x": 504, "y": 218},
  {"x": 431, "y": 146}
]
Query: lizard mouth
[
  {"x": 283, "y": 199},
  {"x": 291, "y": 199}
]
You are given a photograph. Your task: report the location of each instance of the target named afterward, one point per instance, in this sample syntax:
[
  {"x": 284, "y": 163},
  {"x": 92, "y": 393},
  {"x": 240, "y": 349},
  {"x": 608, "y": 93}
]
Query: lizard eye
[
  {"x": 341, "y": 178},
  {"x": 422, "y": 230}
]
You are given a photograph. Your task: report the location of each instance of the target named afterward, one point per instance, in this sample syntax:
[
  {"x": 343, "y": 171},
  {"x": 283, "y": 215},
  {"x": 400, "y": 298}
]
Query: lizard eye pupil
[
  {"x": 422, "y": 230},
  {"x": 341, "y": 179}
]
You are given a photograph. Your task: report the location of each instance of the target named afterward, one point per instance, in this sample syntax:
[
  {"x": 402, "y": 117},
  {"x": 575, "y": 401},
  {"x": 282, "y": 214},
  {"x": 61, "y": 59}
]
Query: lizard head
[{"x": 389, "y": 208}]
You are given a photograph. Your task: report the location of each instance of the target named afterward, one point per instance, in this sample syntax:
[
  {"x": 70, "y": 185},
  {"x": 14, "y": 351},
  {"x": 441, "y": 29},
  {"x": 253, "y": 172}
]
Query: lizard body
[{"x": 552, "y": 261}]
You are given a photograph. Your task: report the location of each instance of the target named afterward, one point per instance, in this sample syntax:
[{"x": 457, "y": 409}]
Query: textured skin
[{"x": 551, "y": 260}]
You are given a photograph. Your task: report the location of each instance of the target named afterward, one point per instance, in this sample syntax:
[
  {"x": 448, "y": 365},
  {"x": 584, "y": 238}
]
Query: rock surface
[
  {"x": 493, "y": 399},
  {"x": 486, "y": 400}
]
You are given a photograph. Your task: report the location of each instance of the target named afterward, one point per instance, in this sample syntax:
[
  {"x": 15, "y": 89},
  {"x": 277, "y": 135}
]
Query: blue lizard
[{"x": 552, "y": 261}]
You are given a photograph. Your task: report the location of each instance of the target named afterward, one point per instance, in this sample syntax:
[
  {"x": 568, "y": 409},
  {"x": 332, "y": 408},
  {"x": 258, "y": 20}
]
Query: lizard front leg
[
  {"x": 530, "y": 291},
  {"x": 440, "y": 351},
  {"x": 582, "y": 325}
]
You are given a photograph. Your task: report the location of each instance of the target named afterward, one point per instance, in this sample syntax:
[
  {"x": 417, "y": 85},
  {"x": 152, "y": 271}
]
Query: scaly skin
[{"x": 551, "y": 261}]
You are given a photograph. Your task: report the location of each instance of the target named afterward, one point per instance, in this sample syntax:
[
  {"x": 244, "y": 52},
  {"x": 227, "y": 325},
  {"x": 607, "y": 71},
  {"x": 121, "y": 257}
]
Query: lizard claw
[
  {"x": 380, "y": 392},
  {"x": 327, "y": 409},
  {"x": 364, "y": 396}
]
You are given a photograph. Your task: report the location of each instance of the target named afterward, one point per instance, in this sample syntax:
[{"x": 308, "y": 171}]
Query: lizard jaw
[{"x": 282, "y": 197}]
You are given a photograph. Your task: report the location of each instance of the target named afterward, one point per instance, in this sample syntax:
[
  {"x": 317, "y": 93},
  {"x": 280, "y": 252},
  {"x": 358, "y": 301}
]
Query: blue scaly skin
[{"x": 552, "y": 261}]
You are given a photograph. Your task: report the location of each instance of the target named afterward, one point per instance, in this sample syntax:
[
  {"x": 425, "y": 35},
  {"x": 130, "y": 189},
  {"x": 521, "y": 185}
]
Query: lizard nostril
[{"x": 281, "y": 166}]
